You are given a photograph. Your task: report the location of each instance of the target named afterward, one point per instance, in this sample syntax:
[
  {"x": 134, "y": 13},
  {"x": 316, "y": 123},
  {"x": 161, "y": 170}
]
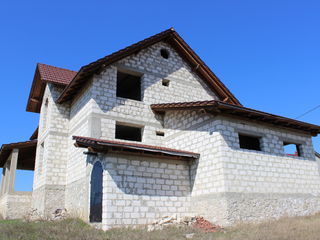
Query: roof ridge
[
  {"x": 171, "y": 37},
  {"x": 60, "y": 68}
]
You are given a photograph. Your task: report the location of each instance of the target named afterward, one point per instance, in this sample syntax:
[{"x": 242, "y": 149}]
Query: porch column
[
  {"x": 3, "y": 179},
  {"x": 6, "y": 176},
  {"x": 12, "y": 171}
]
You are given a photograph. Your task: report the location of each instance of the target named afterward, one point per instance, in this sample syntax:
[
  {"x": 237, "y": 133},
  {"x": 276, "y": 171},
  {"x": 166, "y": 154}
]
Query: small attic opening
[
  {"x": 128, "y": 86},
  {"x": 128, "y": 132},
  {"x": 291, "y": 149},
  {"x": 165, "y": 82},
  {"x": 160, "y": 133},
  {"x": 164, "y": 53}
]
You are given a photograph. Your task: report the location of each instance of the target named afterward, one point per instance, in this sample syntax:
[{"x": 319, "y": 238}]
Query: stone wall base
[
  {"x": 15, "y": 205},
  {"x": 46, "y": 199},
  {"x": 230, "y": 208}
]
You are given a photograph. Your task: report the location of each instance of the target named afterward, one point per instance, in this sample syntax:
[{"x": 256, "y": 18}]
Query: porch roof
[
  {"x": 101, "y": 145},
  {"x": 219, "y": 107},
  {"x": 26, "y": 156}
]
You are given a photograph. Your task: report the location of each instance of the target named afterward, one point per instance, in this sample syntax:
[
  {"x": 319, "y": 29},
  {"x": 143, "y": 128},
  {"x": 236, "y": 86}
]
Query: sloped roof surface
[
  {"x": 55, "y": 74},
  {"x": 102, "y": 143},
  {"x": 219, "y": 107},
  {"x": 45, "y": 73}
]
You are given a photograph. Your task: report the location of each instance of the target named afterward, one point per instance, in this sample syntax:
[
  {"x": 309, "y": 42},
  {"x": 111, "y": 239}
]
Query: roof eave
[
  {"x": 231, "y": 110},
  {"x": 100, "y": 146}
]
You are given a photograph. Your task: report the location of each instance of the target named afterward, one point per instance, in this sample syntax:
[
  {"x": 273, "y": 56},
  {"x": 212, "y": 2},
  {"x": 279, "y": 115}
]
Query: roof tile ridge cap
[{"x": 60, "y": 68}]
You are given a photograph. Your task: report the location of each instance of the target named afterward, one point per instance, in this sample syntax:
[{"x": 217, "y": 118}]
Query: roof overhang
[
  {"x": 109, "y": 146},
  {"x": 169, "y": 36},
  {"x": 231, "y": 110},
  {"x": 46, "y": 74},
  {"x": 26, "y": 156},
  {"x": 34, "y": 134}
]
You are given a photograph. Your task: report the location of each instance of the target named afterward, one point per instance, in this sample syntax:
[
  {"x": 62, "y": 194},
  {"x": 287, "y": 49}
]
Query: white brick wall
[{"x": 138, "y": 190}]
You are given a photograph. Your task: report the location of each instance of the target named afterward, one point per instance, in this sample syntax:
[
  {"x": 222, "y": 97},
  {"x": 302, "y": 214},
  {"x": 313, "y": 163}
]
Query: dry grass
[{"x": 298, "y": 228}]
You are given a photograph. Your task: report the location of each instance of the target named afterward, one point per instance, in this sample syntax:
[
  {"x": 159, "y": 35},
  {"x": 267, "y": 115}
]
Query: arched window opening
[{"x": 96, "y": 193}]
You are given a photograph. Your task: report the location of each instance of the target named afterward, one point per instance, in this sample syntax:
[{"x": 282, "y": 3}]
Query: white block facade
[{"x": 225, "y": 184}]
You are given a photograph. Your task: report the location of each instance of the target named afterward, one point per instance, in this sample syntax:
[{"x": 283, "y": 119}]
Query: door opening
[{"x": 96, "y": 193}]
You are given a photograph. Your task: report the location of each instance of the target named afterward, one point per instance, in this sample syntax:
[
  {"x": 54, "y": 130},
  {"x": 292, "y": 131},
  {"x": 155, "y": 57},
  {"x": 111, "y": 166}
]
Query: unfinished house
[{"x": 150, "y": 131}]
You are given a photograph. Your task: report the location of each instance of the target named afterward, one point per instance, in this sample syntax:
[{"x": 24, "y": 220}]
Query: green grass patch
[{"x": 297, "y": 228}]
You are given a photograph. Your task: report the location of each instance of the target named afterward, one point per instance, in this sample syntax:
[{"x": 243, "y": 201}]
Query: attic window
[
  {"x": 160, "y": 133},
  {"x": 128, "y": 86},
  {"x": 164, "y": 53},
  {"x": 128, "y": 132},
  {"x": 292, "y": 149},
  {"x": 165, "y": 82},
  {"x": 249, "y": 142}
]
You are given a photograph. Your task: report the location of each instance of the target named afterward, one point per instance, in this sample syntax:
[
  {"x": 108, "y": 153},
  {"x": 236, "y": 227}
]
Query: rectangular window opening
[
  {"x": 128, "y": 86},
  {"x": 165, "y": 82},
  {"x": 291, "y": 149},
  {"x": 249, "y": 142},
  {"x": 128, "y": 133}
]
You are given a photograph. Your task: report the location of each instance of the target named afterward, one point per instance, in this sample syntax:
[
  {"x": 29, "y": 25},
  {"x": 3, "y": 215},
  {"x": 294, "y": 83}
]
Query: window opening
[
  {"x": 128, "y": 133},
  {"x": 128, "y": 86},
  {"x": 249, "y": 142},
  {"x": 291, "y": 149}
]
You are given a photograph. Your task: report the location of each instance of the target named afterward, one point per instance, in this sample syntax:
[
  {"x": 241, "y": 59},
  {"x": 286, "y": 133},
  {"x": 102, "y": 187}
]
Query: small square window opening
[
  {"x": 165, "y": 82},
  {"x": 160, "y": 133}
]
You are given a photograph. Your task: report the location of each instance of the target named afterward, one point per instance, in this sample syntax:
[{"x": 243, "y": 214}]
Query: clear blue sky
[{"x": 266, "y": 52}]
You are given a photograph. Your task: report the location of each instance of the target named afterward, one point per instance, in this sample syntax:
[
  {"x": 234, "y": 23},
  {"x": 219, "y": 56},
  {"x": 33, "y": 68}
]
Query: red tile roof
[
  {"x": 45, "y": 73},
  {"x": 101, "y": 144},
  {"x": 55, "y": 74},
  {"x": 219, "y": 107}
]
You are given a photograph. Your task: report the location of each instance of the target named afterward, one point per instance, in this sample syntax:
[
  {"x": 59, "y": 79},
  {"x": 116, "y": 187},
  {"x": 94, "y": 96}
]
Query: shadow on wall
[{"x": 142, "y": 176}]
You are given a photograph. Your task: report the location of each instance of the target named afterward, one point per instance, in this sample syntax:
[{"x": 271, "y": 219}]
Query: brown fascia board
[
  {"x": 235, "y": 111},
  {"x": 34, "y": 134},
  {"x": 36, "y": 93},
  {"x": 169, "y": 36}
]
